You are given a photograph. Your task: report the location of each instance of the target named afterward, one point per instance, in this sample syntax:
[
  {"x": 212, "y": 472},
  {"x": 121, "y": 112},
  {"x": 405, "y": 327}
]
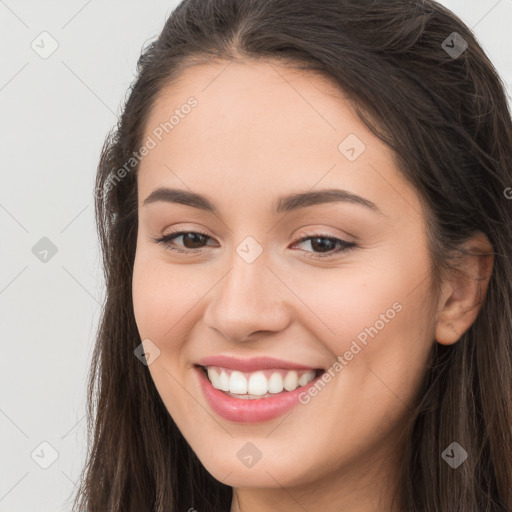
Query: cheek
[
  {"x": 162, "y": 307},
  {"x": 378, "y": 319},
  {"x": 162, "y": 296},
  {"x": 147, "y": 295},
  {"x": 342, "y": 304}
]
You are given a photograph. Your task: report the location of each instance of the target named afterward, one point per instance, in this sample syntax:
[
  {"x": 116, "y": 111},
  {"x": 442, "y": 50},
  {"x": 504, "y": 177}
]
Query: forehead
[
  {"x": 261, "y": 96},
  {"x": 260, "y": 127}
]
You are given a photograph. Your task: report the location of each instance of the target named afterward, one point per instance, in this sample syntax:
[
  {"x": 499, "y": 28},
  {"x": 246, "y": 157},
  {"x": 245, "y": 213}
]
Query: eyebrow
[{"x": 284, "y": 204}]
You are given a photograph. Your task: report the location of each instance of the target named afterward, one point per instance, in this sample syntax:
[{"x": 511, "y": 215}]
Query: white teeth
[
  {"x": 306, "y": 377},
  {"x": 291, "y": 381},
  {"x": 214, "y": 377},
  {"x": 275, "y": 383},
  {"x": 256, "y": 384},
  {"x": 223, "y": 381},
  {"x": 237, "y": 383}
]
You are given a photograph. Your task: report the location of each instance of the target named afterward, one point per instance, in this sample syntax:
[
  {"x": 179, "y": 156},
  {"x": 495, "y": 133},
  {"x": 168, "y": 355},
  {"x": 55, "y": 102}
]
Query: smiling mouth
[{"x": 258, "y": 384}]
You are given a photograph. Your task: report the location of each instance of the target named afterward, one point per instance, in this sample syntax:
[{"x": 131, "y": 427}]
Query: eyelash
[{"x": 344, "y": 245}]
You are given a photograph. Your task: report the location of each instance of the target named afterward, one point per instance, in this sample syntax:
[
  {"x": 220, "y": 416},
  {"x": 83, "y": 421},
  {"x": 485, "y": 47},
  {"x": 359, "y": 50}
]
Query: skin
[{"x": 261, "y": 131}]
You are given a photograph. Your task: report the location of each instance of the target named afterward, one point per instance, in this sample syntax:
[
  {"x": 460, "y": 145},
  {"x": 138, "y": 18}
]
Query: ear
[{"x": 463, "y": 294}]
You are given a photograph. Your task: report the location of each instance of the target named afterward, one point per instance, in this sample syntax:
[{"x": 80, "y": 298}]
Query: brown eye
[
  {"x": 323, "y": 246},
  {"x": 192, "y": 240}
]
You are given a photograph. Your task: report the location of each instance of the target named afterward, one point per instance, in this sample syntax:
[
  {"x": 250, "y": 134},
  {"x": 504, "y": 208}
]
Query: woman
[{"x": 306, "y": 230}]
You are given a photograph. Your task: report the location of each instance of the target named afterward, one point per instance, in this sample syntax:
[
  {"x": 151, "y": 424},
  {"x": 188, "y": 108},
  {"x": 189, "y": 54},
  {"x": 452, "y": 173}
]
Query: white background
[{"x": 54, "y": 115}]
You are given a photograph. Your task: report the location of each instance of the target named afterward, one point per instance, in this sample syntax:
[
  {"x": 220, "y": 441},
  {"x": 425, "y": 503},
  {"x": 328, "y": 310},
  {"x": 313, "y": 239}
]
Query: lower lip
[{"x": 250, "y": 411}]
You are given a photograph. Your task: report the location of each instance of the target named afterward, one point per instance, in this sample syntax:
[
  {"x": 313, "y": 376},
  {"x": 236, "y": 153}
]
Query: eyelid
[
  {"x": 344, "y": 246},
  {"x": 312, "y": 232},
  {"x": 303, "y": 234},
  {"x": 187, "y": 228}
]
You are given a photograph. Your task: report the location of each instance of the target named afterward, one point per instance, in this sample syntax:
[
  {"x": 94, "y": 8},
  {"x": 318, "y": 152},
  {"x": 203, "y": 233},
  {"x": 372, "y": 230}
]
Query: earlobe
[{"x": 464, "y": 292}]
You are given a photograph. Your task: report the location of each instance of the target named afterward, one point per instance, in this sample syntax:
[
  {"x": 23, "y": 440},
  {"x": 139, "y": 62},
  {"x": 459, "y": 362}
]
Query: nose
[{"x": 249, "y": 299}]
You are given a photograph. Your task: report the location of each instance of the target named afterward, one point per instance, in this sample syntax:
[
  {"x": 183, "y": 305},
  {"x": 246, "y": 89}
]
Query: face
[{"x": 271, "y": 289}]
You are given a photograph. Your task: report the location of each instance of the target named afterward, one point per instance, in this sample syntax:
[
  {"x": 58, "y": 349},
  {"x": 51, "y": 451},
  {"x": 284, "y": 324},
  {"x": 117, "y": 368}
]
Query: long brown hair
[{"x": 446, "y": 118}]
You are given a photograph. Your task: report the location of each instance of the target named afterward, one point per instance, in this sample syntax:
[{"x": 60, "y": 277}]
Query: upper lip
[{"x": 252, "y": 364}]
